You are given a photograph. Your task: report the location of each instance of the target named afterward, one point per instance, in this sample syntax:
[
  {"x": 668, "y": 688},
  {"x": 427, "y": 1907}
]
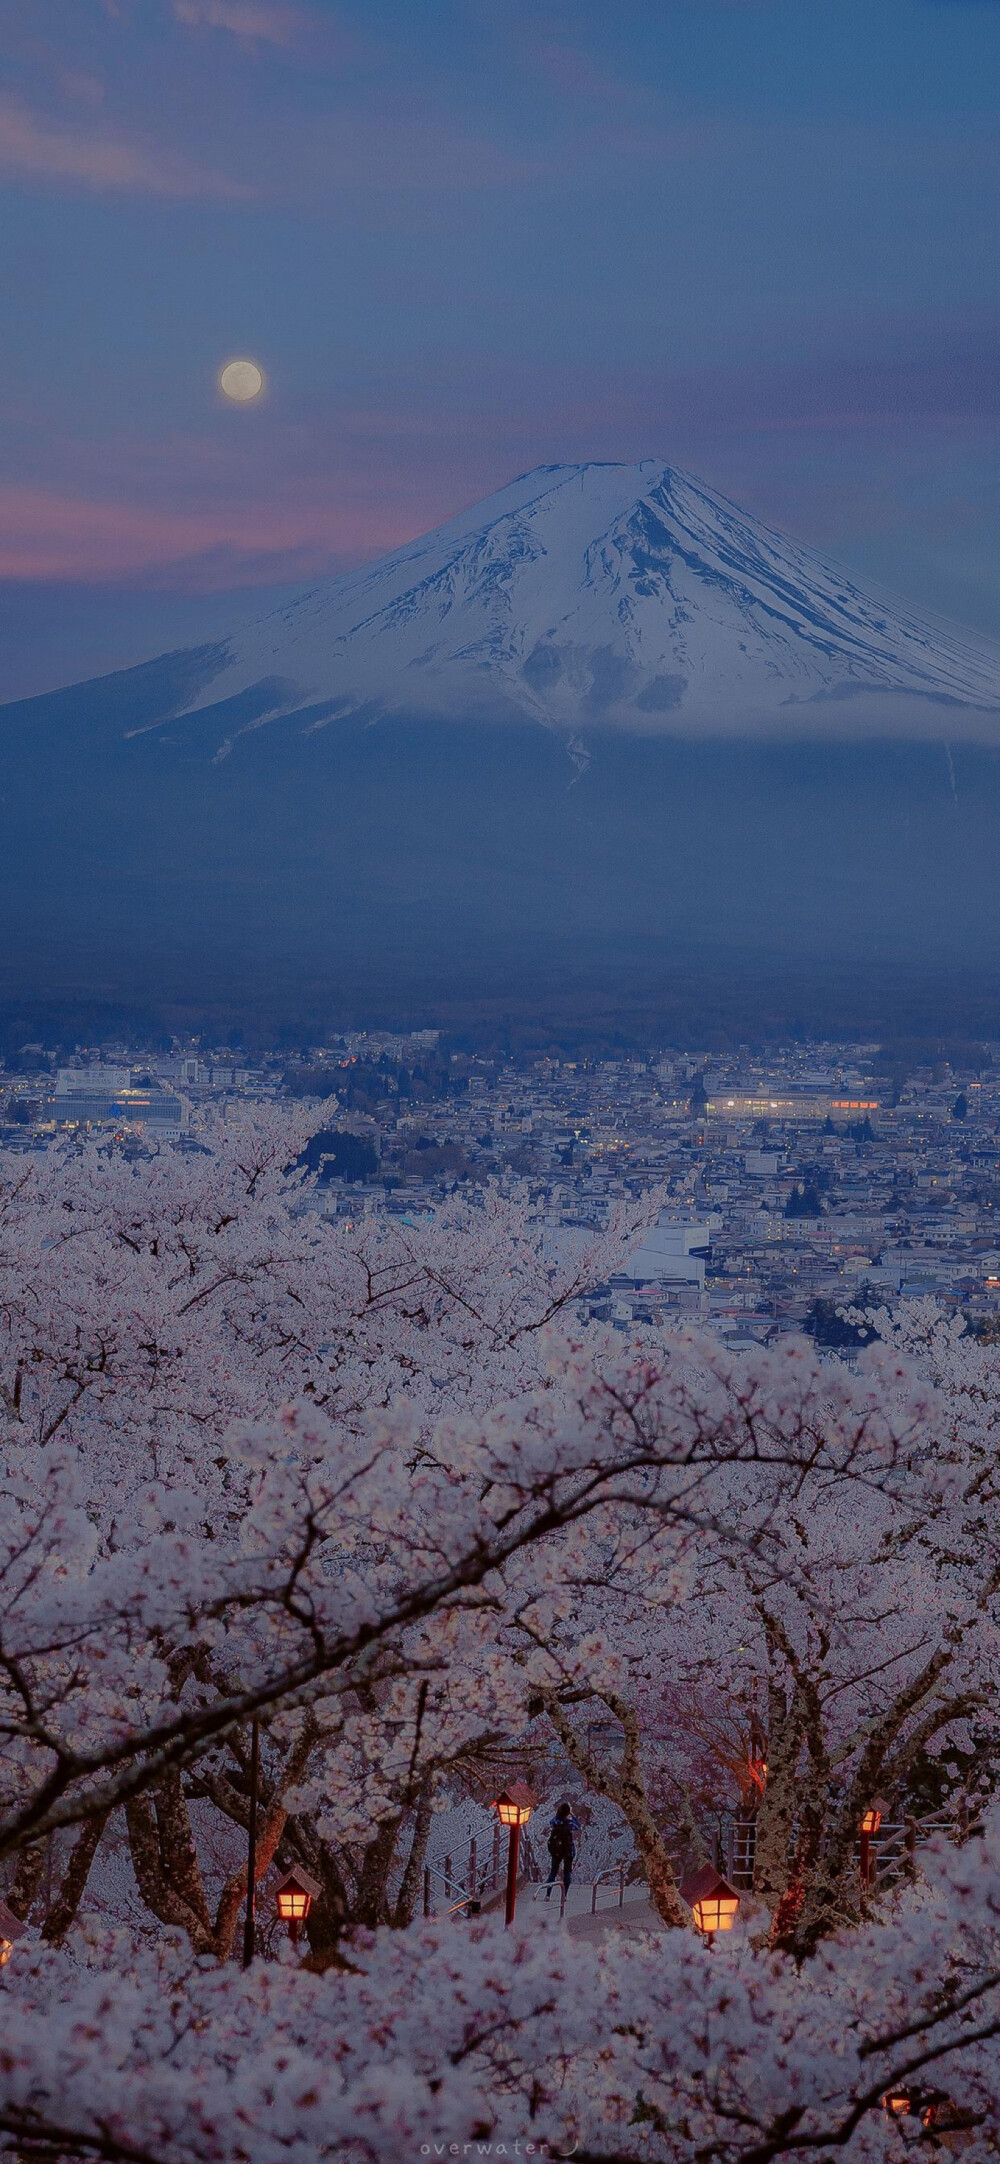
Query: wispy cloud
[
  {"x": 255, "y": 21},
  {"x": 51, "y": 535},
  {"x": 35, "y": 146}
]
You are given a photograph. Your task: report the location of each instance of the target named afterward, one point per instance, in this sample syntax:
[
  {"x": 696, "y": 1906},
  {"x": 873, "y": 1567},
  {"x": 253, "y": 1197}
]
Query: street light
[
  {"x": 934, "y": 2109},
  {"x": 251, "y": 1888},
  {"x": 712, "y": 1901},
  {"x": 871, "y": 1820},
  {"x": 293, "y": 1897},
  {"x": 513, "y": 1807},
  {"x": 11, "y": 1928}
]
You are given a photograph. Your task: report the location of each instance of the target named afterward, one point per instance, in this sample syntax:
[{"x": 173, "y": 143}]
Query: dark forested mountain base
[{"x": 496, "y": 877}]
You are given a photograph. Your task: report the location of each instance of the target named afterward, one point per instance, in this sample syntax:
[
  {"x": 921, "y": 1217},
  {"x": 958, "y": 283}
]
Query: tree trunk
[
  {"x": 329, "y": 1917},
  {"x": 624, "y": 1785},
  {"x": 833, "y": 1894},
  {"x": 27, "y": 1880},
  {"x": 160, "y": 1895},
  {"x": 410, "y": 1888},
  {"x": 373, "y": 1902},
  {"x": 63, "y": 1911},
  {"x": 177, "y": 1843},
  {"x": 780, "y": 1803}
]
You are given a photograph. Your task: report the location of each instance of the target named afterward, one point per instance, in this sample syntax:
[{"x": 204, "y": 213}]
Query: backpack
[{"x": 561, "y": 1842}]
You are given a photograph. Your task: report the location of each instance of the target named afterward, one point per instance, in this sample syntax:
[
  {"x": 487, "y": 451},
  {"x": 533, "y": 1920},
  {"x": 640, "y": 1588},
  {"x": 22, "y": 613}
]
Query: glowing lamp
[
  {"x": 294, "y": 1904},
  {"x": 896, "y": 2102},
  {"x": 713, "y": 1903},
  {"x": 514, "y": 1807},
  {"x": 757, "y": 1769},
  {"x": 871, "y": 1820},
  {"x": 11, "y": 1929},
  {"x": 293, "y": 1898}
]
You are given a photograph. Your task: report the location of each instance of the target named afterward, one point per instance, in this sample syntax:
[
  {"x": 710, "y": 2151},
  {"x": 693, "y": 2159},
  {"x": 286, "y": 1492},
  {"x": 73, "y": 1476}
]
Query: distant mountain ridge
[{"x": 628, "y": 596}]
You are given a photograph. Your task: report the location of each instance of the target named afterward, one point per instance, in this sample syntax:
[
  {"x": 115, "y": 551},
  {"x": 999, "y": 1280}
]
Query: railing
[
  {"x": 440, "y": 1879},
  {"x": 476, "y": 1882},
  {"x": 616, "y": 1871},
  {"x": 894, "y": 1846},
  {"x": 892, "y": 1850},
  {"x": 459, "y": 1890},
  {"x": 479, "y": 1882},
  {"x": 741, "y": 1850},
  {"x": 615, "y": 1875}
]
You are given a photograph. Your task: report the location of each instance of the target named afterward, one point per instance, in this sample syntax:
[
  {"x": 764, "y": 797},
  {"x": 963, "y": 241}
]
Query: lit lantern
[
  {"x": 896, "y": 2102},
  {"x": 871, "y": 1820},
  {"x": 293, "y": 1898},
  {"x": 713, "y": 1903},
  {"x": 513, "y": 1807},
  {"x": 11, "y": 1929}
]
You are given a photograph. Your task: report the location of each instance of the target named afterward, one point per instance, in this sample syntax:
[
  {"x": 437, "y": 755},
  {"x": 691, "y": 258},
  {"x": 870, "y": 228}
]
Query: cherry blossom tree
[
  {"x": 173, "y": 1571},
  {"x": 826, "y": 1635},
  {"x": 380, "y": 1491},
  {"x": 145, "y": 1309},
  {"x": 659, "y": 2049}
]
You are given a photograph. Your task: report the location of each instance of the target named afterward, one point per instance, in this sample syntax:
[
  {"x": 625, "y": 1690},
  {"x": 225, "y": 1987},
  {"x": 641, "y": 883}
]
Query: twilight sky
[{"x": 466, "y": 237}]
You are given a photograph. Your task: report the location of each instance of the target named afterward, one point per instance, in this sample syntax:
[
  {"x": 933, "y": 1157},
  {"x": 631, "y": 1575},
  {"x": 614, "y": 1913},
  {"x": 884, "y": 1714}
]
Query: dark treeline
[{"x": 718, "y": 1009}]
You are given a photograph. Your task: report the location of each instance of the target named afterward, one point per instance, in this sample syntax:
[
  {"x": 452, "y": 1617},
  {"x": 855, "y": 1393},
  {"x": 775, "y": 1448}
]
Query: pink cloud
[
  {"x": 256, "y": 21},
  {"x": 35, "y": 147},
  {"x": 303, "y": 490},
  {"x": 50, "y": 536}
]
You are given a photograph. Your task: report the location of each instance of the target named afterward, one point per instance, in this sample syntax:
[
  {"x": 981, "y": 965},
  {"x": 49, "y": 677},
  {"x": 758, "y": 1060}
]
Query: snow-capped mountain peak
[{"x": 620, "y": 595}]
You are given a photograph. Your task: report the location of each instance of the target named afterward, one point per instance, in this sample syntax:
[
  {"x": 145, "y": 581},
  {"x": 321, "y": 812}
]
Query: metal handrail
[
  {"x": 891, "y": 1850},
  {"x": 895, "y": 1845},
  {"x": 470, "y": 1887},
  {"x": 616, "y": 1870}
]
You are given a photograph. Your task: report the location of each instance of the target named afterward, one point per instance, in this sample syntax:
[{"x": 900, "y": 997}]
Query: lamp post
[
  {"x": 871, "y": 1820},
  {"x": 713, "y": 1903},
  {"x": 513, "y": 1808},
  {"x": 248, "y": 1919},
  {"x": 293, "y": 1898}
]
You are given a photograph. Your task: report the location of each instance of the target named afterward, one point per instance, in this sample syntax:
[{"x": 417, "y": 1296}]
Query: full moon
[{"x": 241, "y": 380}]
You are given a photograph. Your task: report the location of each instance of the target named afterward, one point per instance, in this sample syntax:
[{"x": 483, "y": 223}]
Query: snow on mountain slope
[{"x": 615, "y": 594}]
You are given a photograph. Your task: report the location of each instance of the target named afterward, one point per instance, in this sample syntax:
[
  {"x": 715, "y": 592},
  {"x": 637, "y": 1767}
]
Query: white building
[
  {"x": 92, "y": 1081},
  {"x": 105, "y": 1097},
  {"x": 674, "y": 1251}
]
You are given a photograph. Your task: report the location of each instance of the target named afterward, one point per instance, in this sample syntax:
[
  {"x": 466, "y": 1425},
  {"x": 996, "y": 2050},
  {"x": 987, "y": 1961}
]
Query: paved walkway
[{"x": 635, "y": 1918}]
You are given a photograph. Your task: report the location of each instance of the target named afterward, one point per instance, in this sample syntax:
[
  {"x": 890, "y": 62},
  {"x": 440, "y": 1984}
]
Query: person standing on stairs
[{"x": 562, "y": 1847}]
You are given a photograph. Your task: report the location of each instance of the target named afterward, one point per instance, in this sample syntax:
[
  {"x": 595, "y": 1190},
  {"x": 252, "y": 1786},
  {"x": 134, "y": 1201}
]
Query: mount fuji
[
  {"x": 621, "y": 595},
  {"x": 602, "y": 727}
]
